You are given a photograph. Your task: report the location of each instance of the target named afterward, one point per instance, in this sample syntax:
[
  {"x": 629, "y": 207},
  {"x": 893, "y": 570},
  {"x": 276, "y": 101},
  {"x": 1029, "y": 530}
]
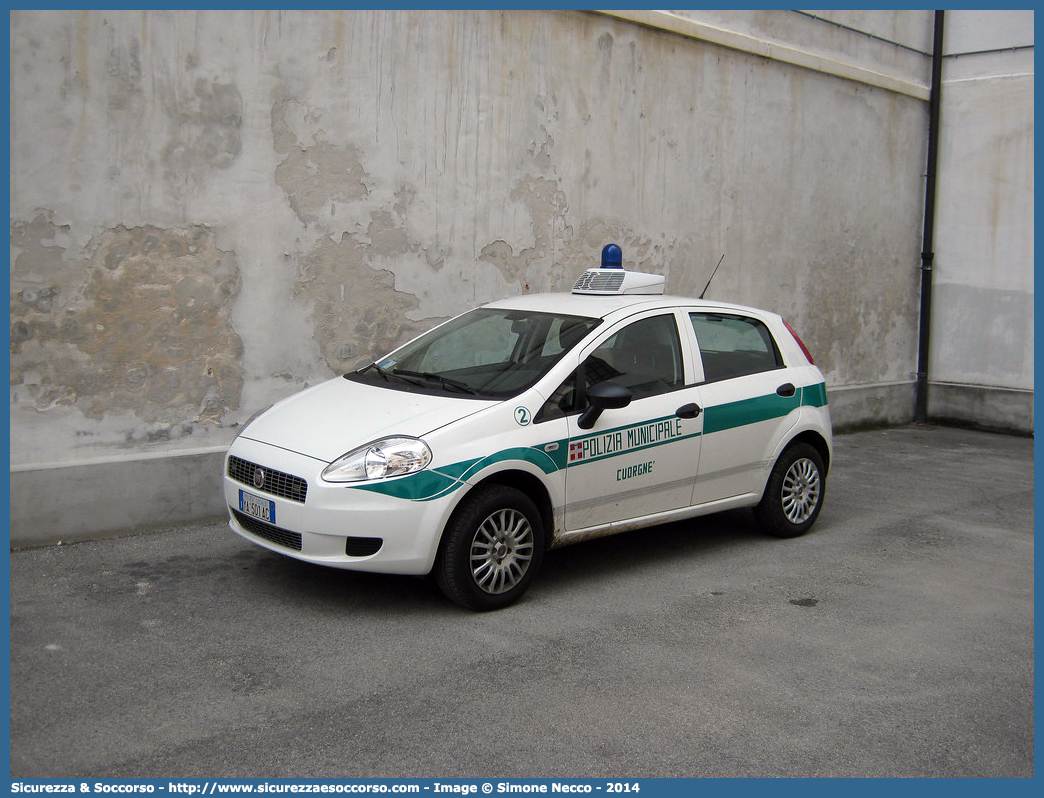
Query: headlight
[{"x": 390, "y": 457}]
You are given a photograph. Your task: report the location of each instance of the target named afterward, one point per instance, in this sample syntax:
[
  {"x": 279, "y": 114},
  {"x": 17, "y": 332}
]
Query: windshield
[{"x": 487, "y": 353}]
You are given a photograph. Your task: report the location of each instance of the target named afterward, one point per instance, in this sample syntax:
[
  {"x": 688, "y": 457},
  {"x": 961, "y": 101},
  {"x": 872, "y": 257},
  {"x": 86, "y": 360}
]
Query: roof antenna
[{"x": 704, "y": 291}]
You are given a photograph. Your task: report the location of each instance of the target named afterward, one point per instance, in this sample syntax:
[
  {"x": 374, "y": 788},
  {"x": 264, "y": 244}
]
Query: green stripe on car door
[{"x": 554, "y": 455}]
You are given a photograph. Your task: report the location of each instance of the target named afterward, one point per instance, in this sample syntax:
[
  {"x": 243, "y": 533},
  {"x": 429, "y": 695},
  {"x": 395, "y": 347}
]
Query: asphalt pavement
[{"x": 895, "y": 639}]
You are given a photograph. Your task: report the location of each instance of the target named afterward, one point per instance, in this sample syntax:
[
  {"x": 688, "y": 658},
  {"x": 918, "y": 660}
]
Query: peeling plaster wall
[
  {"x": 213, "y": 209},
  {"x": 140, "y": 324}
]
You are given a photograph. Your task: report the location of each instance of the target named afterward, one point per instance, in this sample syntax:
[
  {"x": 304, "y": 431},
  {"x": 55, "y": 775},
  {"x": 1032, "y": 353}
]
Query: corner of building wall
[
  {"x": 877, "y": 404},
  {"x": 991, "y": 408},
  {"x": 52, "y": 503},
  {"x": 983, "y": 407}
]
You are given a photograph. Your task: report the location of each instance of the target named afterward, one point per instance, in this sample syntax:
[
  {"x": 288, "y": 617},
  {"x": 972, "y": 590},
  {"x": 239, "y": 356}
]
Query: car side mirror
[{"x": 603, "y": 396}]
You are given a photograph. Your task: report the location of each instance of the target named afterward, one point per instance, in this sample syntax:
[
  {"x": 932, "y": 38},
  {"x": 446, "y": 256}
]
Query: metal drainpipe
[{"x": 927, "y": 241}]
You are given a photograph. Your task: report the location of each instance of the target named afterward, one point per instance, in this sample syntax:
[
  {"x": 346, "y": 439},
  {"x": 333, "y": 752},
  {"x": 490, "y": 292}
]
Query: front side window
[
  {"x": 734, "y": 346},
  {"x": 644, "y": 356},
  {"x": 487, "y": 353}
]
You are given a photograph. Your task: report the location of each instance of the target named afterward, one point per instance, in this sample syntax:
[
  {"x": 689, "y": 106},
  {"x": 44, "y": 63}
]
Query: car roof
[{"x": 605, "y": 306}]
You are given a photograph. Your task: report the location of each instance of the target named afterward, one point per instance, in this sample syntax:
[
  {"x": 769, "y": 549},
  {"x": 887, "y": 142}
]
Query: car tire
[
  {"x": 794, "y": 493},
  {"x": 491, "y": 549}
]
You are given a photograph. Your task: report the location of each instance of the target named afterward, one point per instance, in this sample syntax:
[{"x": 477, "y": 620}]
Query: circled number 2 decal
[{"x": 522, "y": 416}]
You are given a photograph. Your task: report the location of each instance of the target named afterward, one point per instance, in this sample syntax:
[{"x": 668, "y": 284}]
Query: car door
[
  {"x": 640, "y": 459},
  {"x": 748, "y": 400}
]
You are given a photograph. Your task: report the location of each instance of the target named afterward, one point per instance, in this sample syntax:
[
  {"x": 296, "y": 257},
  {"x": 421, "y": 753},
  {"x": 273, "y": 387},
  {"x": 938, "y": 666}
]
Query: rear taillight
[{"x": 808, "y": 355}]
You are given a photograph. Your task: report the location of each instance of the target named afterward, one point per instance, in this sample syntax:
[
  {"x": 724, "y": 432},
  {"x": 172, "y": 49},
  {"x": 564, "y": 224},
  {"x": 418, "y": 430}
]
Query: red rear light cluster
[{"x": 808, "y": 355}]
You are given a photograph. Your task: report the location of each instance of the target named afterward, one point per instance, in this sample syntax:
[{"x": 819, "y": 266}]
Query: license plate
[{"x": 256, "y": 507}]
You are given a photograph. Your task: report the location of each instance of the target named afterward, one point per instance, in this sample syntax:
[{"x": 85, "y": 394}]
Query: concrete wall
[
  {"x": 213, "y": 209},
  {"x": 981, "y": 365}
]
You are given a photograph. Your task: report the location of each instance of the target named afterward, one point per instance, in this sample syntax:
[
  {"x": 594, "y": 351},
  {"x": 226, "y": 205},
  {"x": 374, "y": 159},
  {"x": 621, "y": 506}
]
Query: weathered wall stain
[
  {"x": 140, "y": 324},
  {"x": 205, "y": 133},
  {"x": 315, "y": 177},
  {"x": 562, "y": 249},
  {"x": 356, "y": 309},
  {"x": 547, "y": 206},
  {"x": 357, "y": 312},
  {"x": 320, "y": 176}
]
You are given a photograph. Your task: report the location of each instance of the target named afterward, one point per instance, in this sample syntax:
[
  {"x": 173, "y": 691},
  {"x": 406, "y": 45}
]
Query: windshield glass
[{"x": 487, "y": 353}]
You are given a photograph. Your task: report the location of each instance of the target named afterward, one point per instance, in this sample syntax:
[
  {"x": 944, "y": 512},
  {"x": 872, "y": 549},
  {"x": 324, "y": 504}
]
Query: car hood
[{"x": 334, "y": 417}]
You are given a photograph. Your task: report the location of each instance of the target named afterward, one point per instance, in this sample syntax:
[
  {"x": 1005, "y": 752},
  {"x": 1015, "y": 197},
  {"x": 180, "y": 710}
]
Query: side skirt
[{"x": 566, "y": 537}]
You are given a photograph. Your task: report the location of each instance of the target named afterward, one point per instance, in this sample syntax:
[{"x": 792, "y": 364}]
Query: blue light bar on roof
[{"x": 612, "y": 257}]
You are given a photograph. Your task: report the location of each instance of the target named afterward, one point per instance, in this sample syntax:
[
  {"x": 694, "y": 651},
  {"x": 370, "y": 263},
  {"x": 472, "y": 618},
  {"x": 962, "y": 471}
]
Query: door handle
[
  {"x": 690, "y": 410},
  {"x": 786, "y": 389}
]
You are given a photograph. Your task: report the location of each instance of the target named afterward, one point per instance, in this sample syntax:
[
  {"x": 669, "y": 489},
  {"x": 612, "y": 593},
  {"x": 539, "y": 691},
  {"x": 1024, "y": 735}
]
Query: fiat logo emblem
[{"x": 259, "y": 478}]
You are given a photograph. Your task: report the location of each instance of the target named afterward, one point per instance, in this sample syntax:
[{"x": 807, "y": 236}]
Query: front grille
[
  {"x": 278, "y": 483},
  {"x": 273, "y": 534},
  {"x": 362, "y": 547}
]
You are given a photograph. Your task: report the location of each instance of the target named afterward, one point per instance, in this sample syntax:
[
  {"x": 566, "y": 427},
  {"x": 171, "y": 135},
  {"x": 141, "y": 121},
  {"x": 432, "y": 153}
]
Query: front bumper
[{"x": 335, "y": 525}]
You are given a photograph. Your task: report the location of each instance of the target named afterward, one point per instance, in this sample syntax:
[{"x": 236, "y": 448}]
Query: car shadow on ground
[
  {"x": 567, "y": 568},
  {"x": 603, "y": 558}
]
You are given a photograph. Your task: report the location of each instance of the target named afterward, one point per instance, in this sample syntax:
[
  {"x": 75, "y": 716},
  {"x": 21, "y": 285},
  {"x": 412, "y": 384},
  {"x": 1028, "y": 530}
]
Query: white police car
[{"x": 534, "y": 422}]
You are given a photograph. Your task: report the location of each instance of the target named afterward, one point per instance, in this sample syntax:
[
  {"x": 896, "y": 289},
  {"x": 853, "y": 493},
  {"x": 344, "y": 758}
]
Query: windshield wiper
[
  {"x": 446, "y": 382},
  {"x": 387, "y": 374},
  {"x": 378, "y": 369}
]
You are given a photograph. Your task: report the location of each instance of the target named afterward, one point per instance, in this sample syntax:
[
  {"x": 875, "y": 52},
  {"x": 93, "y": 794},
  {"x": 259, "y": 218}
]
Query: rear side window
[{"x": 734, "y": 346}]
